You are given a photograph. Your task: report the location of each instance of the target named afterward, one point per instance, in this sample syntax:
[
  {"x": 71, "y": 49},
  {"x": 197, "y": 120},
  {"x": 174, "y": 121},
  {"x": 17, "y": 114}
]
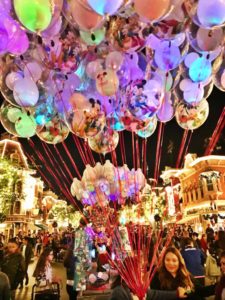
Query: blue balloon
[
  {"x": 200, "y": 69},
  {"x": 103, "y": 7}
]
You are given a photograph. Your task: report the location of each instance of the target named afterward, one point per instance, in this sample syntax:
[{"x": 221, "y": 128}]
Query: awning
[
  {"x": 42, "y": 226},
  {"x": 189, "y": 219}
]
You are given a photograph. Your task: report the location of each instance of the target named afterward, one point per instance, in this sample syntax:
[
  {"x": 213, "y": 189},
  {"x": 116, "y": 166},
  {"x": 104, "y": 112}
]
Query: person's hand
[{"x": 181, "y": 292}]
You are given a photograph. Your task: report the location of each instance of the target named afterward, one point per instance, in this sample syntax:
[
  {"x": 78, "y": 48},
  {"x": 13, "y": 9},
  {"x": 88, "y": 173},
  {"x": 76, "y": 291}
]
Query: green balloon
[
  {"x": 93, "y": 38},
  {"x": 26, "y": 126},
  {"x": 35, "y": 15},
  {"x": 13, "y": 114}
]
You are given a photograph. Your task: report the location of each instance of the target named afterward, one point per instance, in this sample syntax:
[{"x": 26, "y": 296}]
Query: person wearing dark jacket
[
  {"x": 194, "y": 259},
  {"x": 13, "y": 265},
  {"x": 69, "y": 264},
  {"x": 27, "y": 252},
  {"x": 4, "y": 287}
]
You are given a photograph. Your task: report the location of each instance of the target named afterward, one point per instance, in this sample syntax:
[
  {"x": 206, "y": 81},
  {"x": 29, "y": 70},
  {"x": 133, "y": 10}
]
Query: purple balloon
[
  {"x": 5, "y": 6},
  {"x": 3, "y": 38},
  {"x": 18, "y": 40}
]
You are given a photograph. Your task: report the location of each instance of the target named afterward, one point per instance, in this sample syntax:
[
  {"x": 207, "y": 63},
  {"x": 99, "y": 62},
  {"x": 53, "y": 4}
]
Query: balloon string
[
  {"x": 216, "y": 134},
  {"x": 133, "y": 151},
  {"x": 64, "y": 163},
  {"x": 71, "y": 160},
  {"x": 39, "y": 170},
  {"x": 50, "y": 170},
  {"x": 181, "y": 149},
  {"x": 77, "y": 143},
  {"x": 121, "y": 148},
  {"x": 91, "y": 157},
  {"x": 124, "y": 152},
  {"x": 144, "y": 161},
  {"x": 158, "y": 152},
  {"x": 188, "y": 143},
  {"x": 54, "y": 162}
]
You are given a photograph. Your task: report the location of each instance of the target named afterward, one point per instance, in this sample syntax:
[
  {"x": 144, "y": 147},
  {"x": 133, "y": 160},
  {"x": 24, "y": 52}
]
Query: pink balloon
[
  {"x": 151, "y": 10},
  {"x": 84, "y": 16}
]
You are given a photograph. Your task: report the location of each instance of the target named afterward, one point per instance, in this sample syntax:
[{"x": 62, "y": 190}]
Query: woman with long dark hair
[
  {"x": 173, "y": 274},
  {"x": 43, "y": 270}
]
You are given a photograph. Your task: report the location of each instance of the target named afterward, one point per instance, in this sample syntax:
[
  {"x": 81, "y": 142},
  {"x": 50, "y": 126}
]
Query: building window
[
  {"x": 209, "y": 184},
  {"x": 17, "y": 207}
]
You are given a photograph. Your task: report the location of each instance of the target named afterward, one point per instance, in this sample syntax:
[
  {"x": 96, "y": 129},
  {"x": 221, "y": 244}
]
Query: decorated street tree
[{"x": 8, "y": 179}]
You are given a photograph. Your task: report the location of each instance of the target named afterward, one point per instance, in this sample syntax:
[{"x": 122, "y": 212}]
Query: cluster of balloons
[
  {"x": 103, "y": 183},
  {"x": 97, "y": 67}
]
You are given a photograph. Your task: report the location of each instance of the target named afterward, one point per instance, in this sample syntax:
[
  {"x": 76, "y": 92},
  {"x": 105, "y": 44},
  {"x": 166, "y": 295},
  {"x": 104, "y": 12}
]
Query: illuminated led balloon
[
  {"x": 211, "y": 13},
  {"x": 107, "y": 82},
  {"x": 25, "y": 125},
  {"x": 53, "y": 132},
  {"x": 35, "y": 15},
  {"x": 26, "y": 92},
  {"x": 167, "y": 56},
  {"x": 149, "y": 130},
  {"x": 200, "y": 69},
  {"x": 192, "y": 117},
  {"x": 103, "y": 7},
  {"x": 106, "y": 141},
  {"x": 79, "y": 101},
  {"x": 131, "y": 123},
  {"x": 149, "y": 10},
  {"x": 93, "y": 38}
]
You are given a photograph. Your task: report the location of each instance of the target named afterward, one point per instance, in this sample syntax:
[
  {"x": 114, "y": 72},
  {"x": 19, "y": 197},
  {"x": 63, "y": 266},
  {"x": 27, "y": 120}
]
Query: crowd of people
[{"x": 190, "y": 259}]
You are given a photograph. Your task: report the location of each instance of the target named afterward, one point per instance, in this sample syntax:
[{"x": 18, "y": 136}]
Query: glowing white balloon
[{"x": 25, "y": 92}]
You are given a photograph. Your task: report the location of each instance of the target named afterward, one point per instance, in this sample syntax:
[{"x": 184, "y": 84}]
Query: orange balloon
[
  {"x": 83, "y": 15},
  {"x": 151, "y": 9}
]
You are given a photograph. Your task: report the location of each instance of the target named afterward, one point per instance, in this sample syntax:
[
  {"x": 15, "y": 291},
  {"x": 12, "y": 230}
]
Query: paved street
[
  {"x": 60, "y": 271},
  {"x": 25, "y": 293}
]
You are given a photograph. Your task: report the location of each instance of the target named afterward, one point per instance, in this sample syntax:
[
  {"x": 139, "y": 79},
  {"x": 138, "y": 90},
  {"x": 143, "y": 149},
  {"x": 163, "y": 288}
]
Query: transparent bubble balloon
[
  {"x": 114, "y": 121},
  {"x": 54, "y": 131},
  {"x": 85, "y": 122},
  {"x": 191, "y": 118},
  {"x": 106, "y": 141},
  {"x": 144, "y": 98},
  {"x": 219, "y": 76},
  {"x": 131, "y": 123},
  {"x": 33, "y": 71},
  {"x": 94, "y": 67},
  {"x": 149, "y": 130},
  {"x": 114, "y": 60},
  {"x": 45, "y": 110},
  {"x": 155, "y": 13}
]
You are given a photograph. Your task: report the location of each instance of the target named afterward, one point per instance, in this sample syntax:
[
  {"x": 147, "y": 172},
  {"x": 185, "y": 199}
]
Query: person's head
[
  {"x": 45, "y": 258},
  {"x": 173, "y": 265},
  {"x": 25, "y": 240},
  {"x": 12, "y": 246},
  {"x": 194, "y": 235},
  {"x": 82, "y": 222},
  {"x": 189, "y": 243},
  {"x": 222, "y": 262}
]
